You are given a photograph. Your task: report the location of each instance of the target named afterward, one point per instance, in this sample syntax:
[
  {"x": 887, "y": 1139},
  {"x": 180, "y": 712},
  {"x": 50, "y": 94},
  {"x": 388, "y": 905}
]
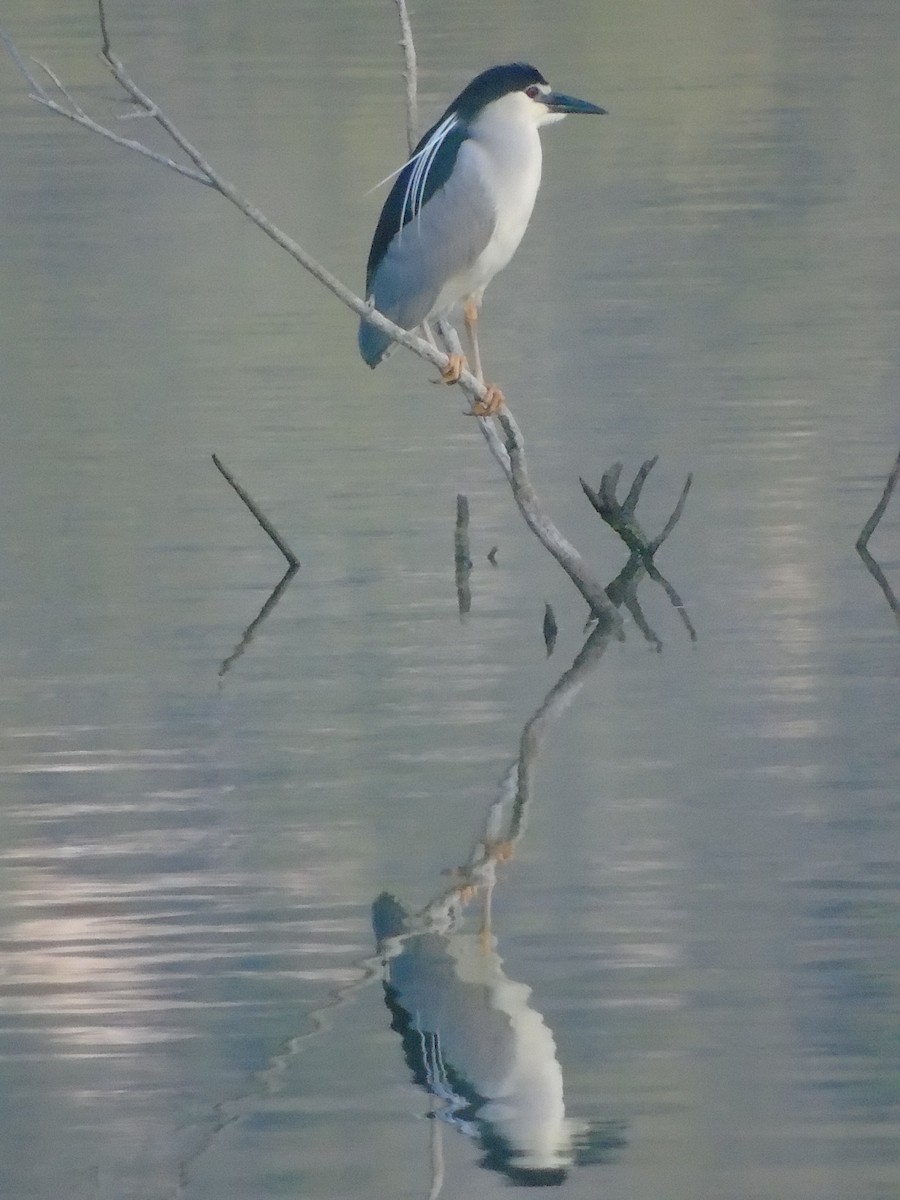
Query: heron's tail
[{"x": 373, "y": 344}]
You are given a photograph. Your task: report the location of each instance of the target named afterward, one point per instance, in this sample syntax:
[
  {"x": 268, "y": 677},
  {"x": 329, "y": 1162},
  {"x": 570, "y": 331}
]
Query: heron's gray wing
[{"x": 444, "y": 240}]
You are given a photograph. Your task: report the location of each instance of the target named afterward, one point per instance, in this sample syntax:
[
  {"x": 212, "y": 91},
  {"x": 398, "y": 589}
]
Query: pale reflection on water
[{"x": 704, "y": 912}]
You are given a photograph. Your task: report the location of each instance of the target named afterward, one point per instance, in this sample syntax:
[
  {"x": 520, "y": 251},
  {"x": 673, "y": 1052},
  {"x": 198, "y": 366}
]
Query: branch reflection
[
  {"x": 247, "y": 636},
  {"x": 862, "y": 542},
  {"x": 471, "y": 1038}
]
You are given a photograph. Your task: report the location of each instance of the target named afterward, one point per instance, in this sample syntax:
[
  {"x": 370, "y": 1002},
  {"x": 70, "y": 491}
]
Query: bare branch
[
  {"x": 263, "y": 521},
  {"x": 546, "y": 532},
  {"x": 410, "y": 75},
  {"x": 104, "y": 32},
  {"x": 76, "y": 107},
  {"x": 37, "y": 91},
  {"x": 77, "y": 114},
  {"x": 510, "y": 454},
  {"x": 129, "y": 143},
  {"x": 620, "y": 517},
  {"x": 674, "y": 519},
  {"x": 629, "y": 504}
]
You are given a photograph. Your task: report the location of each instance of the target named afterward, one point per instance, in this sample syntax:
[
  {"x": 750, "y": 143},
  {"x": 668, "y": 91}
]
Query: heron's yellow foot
[
  {"x": 500, "y": 850},
  {"x": 456, "y": 364},
  {"x": 505, "y": 851},
  {"x": 492, "y": 403}
]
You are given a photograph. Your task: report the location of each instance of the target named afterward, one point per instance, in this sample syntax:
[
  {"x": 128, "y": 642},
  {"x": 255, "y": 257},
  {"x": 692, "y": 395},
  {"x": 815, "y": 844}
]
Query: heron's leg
[
  {"x": 485, "y": 935},
  {"x": 493, "y": 400},
  {"x": 470, "y": 315}
]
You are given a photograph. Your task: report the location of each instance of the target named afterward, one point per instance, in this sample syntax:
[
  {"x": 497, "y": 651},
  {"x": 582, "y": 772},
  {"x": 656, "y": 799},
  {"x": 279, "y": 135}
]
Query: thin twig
[
  {"x": 629, "y": 504},
  {"x": 77, "y": 114},
  {"x": 410, "y": 76},
  {"x": 61, "y": 88},
  {"x": 128, "y": 143},
  {"x": 674, "y": 519},
  {"x": 261, "y": 517},
  {"x": 609, "y": 483},
  {"x": 37, "y": 91}
]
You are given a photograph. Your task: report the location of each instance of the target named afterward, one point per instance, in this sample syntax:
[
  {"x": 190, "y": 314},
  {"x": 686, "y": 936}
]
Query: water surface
[{"x": 695, "y": 936}]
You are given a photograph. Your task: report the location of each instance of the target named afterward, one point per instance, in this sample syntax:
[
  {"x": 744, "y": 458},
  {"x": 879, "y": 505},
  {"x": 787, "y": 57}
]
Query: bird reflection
[
  {"x": 471, "y": 1037},
  {"x": 474, "y": 1042}
]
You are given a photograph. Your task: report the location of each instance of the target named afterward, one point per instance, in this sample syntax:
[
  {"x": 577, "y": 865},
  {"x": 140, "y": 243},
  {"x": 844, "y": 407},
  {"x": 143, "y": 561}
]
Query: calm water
[{"x": 689, "y": 987}]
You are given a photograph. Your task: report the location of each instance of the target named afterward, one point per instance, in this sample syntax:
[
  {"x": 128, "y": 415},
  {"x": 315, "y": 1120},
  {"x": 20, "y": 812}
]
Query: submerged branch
[
  {"x": 462, "y": 558},
  {"x": 620, "y": 517}
]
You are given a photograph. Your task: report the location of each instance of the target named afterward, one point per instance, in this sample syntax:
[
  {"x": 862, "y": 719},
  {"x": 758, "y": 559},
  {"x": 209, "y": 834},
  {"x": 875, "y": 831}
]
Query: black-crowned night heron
[{"x": 459, "y": 207}]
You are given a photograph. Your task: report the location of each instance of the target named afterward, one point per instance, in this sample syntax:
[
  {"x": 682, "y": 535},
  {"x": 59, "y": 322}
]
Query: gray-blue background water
[{"x": 704, "y": 902}]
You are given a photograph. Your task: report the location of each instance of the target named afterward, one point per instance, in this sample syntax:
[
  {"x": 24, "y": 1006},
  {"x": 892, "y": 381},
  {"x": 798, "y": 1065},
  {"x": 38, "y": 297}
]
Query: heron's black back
[{"x": 396, "y": 213}]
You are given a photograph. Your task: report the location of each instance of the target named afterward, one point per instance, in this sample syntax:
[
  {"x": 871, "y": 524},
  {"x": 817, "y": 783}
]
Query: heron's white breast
[{"x": 503, "y": 152}]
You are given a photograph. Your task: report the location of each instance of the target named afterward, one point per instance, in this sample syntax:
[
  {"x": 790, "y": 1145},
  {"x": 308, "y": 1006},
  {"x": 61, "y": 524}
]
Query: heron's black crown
[{"x": 491, "y": 85}]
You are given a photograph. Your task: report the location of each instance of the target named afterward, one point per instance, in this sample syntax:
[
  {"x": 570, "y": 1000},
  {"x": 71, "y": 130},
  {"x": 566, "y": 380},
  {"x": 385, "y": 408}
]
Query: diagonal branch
[
  {"x": 549, "y": 536},
  {"x": 262, "y": 520}
]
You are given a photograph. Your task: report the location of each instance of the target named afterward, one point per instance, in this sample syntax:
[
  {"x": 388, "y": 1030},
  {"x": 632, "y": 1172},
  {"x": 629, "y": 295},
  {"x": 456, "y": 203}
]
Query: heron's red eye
[{"x": 533, "y": 92}]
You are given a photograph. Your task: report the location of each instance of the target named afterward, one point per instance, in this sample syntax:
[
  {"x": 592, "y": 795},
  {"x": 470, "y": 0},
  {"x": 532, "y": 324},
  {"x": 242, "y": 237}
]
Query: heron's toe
[
  {"x": 490, "y": 404},
  {"x": 456, "y": 364}
]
